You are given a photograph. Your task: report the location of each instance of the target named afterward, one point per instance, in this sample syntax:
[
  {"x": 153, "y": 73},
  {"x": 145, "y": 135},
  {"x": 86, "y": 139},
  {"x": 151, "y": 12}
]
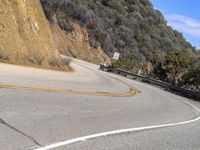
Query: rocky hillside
[
  {"x": 25, "y": 35},
  {"x": 132, "y": 27}
]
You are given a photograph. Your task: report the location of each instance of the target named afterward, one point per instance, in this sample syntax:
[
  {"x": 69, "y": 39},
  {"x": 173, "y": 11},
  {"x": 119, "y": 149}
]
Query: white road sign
[{"x": 116, "y": 56}]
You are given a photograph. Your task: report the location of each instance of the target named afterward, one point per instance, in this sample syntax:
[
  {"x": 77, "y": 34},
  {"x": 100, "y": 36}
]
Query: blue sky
[{"x": 182, "y": 15}]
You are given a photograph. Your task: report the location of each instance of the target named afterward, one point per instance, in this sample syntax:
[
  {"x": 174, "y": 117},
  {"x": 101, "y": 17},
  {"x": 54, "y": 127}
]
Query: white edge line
[{"x": 103, "y": 134}]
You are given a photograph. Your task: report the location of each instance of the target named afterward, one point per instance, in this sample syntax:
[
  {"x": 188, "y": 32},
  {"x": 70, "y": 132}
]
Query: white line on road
[{"x": 104, "y": 134}]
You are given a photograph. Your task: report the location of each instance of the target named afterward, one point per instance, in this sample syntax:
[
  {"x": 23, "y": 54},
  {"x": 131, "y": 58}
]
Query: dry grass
[{"x": 64, "y": 66}]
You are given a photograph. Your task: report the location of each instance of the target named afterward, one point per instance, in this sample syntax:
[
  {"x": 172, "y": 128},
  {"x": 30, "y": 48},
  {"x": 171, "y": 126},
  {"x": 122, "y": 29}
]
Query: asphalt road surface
[{"x": 43, "y": 109}]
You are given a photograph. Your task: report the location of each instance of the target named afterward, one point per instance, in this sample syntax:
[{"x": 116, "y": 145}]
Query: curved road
[{"x": 33, "y": 119}]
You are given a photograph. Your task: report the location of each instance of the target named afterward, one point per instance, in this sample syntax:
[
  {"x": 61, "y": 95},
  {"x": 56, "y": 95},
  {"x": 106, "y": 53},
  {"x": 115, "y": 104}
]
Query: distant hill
[{"x": 132, "y": 27}]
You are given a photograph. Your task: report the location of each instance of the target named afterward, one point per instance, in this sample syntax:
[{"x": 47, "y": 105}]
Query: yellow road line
[{"x": 132, "y": 92}]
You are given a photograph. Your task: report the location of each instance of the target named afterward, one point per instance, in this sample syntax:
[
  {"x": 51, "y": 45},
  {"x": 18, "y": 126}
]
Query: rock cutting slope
[{"x": 25, "y": 35}]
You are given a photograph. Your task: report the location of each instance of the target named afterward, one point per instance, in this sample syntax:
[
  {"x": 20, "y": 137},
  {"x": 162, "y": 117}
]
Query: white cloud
[{"x": 184, "y": 24}]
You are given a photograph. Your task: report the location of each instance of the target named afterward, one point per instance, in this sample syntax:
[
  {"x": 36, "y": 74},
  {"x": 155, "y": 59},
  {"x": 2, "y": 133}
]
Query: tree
[
  {"x": 176, "y": 65},
  {"x": 192, "y": 78}
]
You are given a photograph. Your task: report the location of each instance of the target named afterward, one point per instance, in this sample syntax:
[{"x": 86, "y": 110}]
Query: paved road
[{"x": 33, "y": 119}]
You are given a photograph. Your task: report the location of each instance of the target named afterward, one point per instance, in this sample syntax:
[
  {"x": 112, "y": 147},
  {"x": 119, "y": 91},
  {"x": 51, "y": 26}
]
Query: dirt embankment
[
  {"x": 25, "y": 35},
  {"x": 76, "y": 43}
]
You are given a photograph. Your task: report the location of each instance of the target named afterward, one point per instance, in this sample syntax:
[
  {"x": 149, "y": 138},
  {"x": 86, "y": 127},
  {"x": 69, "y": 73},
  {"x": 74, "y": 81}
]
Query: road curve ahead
[{"x": 91, "y": 110}]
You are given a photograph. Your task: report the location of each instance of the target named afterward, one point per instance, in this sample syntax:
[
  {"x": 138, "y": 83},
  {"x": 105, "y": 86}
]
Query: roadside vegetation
[
  {"x": 179, "y": 68},
  {"x": 176, "y": 67}
]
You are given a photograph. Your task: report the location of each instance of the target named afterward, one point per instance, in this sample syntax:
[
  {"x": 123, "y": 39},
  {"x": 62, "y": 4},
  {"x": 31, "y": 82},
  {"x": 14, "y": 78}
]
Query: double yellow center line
[{"x": 132, "y": 91}]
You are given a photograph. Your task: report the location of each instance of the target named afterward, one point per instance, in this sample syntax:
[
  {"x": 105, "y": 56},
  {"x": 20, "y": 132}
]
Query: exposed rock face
[
  {"x": 77, "y": 44},
  {"x": 25, "y": 35}
]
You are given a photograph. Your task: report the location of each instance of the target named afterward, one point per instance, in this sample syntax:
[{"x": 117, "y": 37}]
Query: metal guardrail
[{"x": 165, "y": 85}]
